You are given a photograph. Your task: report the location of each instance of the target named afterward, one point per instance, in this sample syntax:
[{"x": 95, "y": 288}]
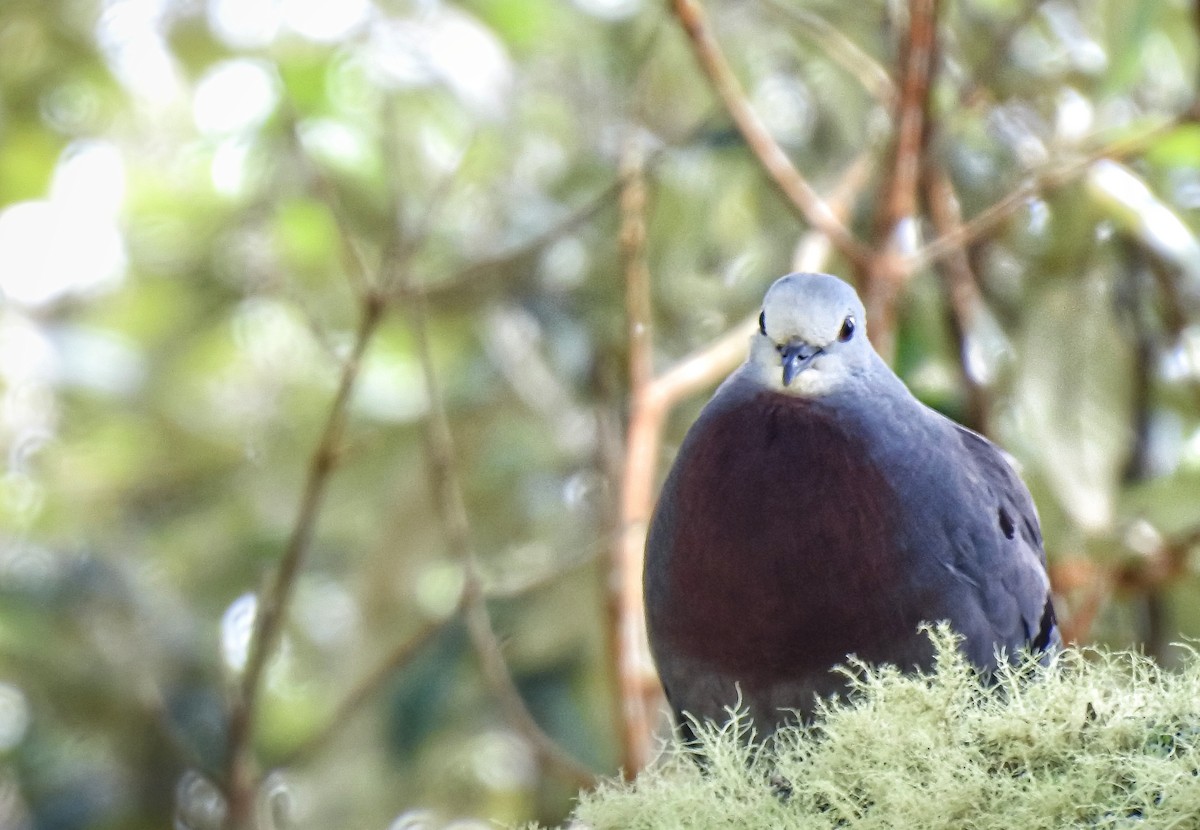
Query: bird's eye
[
  {"x": 762, "y": 321},
  {"x": 847, "y": 330}
]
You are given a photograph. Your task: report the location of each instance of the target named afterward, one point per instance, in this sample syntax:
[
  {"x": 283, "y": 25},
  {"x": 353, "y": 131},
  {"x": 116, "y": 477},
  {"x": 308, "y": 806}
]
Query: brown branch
[
  {"x": 633, "y": 253},
  {"x": 405, "y": 651},
  {"x": 1048, "y": 179},
  {"x": 472, "y": 277},
  {"x": 352, "y": 261},
  {"x": 451, "y": 508},
  {"x": 798, "y": 194},
  {"x": 364, "y": 689},
  {"x": 1140, "y": 575},
  {"x": 636, "y": 686},
  {"x": 841, "y": 50},
  {"x": 884, "y": 279},
  {"x": 272, "y": 609},
  {"x": 918, "y": 59},
  {"x": 963, "y": 298}
]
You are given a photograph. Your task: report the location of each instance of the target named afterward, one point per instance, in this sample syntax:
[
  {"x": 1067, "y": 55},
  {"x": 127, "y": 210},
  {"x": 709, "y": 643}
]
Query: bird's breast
[{"x": 784, "y": 554}]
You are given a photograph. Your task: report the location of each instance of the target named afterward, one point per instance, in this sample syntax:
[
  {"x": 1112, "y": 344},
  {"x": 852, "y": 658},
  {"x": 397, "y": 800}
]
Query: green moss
[{"x": 1097, "y": 739}]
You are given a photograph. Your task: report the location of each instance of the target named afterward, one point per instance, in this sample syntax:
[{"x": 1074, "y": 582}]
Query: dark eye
[
  {"x": 847, "y": 330},
  {"x": 762, "y": 321}
]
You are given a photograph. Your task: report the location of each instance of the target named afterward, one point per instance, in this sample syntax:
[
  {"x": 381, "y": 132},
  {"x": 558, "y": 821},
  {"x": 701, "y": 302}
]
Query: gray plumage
[{"x": 816, "y": 509}]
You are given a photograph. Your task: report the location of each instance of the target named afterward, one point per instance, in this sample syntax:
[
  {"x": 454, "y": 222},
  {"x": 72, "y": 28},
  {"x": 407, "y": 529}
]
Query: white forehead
[{"x": 810, "y": 306}]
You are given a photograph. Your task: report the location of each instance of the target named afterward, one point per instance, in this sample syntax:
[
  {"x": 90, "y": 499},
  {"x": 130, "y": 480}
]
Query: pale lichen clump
[{"x": 1095, "y": 739}]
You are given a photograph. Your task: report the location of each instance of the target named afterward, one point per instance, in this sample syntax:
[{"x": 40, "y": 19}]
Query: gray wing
[{"x": 1006, "y": 562}]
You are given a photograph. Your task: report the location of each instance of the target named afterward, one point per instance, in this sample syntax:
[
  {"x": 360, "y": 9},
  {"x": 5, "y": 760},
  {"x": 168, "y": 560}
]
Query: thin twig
[
  {"x": 405, "y": 651},
  {"x": 1050, "y": 178},
  {"x": 963, "y": 299},
  {"x": 633, "y": 253},
  {"x": 797, "y": 192},
  {"x": 883, "y": 281},
  {"x": 365, "y": 688},
  {"x": 841, "y": 50},
  {"x": 352, "y": 262},
  {"x": 918, "y": 61},
  {"x": 272, "y": 609},
  {"x": 452, "y": 510},
  {"x": 813, "y": 248},
  {"x": 471, "y": 276}
]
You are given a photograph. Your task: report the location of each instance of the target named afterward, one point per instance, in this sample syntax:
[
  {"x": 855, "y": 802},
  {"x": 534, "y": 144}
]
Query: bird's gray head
[{"x": 812, "y": 335}]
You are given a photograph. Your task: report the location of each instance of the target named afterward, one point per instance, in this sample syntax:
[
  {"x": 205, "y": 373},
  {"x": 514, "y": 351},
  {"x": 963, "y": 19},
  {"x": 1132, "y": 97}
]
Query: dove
[{"x": 816, "y": 510}]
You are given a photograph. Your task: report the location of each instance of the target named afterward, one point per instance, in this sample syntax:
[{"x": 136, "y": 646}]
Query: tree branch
[
  {"x": 1050, "y": 178},
  {"x": 352, "y": 261},
  {"x": 451, "y": 508},
  {"x": 406, "y": 650},
  {"x": 273, "y": 606},
  {"x": 636, "y": 682},
  {"x": 963, "y": 299},
  {"x": 797, "y": 192},
  {"x": 841, "y": 50},
  {"x": 472, "y": 277},
  {"x": 884, "y": 279},
  {"x": 400, "y": 656}
]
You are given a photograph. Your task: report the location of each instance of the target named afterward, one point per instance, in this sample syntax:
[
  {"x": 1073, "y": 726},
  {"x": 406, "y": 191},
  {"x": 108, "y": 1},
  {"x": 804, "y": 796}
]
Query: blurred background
[{"x": 324, "y": 352}]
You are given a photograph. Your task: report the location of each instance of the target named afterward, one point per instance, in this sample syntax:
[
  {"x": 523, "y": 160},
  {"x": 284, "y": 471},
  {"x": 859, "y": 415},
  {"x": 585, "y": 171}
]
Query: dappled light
[{"x": 344, "y": 345}]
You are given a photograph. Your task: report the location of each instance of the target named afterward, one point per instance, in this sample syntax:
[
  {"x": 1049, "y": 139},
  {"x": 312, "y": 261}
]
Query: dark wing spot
[
  {"x": 1046, "y": 629},
  {"x": 762, "y": 321},
  {"x": 1006, "y": 524}
]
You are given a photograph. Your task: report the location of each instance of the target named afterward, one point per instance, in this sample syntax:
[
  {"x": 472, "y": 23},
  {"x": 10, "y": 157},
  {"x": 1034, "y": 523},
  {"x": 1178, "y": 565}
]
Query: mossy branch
[{"x": 1096, "y": 739}]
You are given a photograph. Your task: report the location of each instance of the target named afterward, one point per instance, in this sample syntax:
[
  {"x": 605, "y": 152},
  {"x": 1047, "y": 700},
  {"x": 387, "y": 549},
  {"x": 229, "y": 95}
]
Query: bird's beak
[{"x": 796, "y": 357}]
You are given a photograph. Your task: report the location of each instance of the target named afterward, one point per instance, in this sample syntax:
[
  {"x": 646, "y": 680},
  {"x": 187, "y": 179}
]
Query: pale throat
[{"x": 814, "y": 381}]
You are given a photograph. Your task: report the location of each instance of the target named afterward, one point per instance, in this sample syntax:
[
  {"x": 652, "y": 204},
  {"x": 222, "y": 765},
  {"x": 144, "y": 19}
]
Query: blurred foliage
[{"x": 185, "y": 190}]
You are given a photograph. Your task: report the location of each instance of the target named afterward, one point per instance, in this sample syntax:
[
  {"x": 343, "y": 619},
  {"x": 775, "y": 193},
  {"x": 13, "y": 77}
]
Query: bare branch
[
  {"x": 632, "y": 665},
  {"x": 405, "y": 651},
  {"x": 1050, "y": 178},
  {"x": 917, "y": 67},
  {"x": 352, "y": 261},
  {"x": 365, "y": 688},
  {"x": 452, "y": 510},
  {"x": 841, "y": 49},
  {"x": 883, "y": 280},
  {"x": 470, "y": 277},
  {"x": 960, "y": 287},
  {"x": 273, "y": 605},
  {"x": 797, "y": 192},
  {"x": 633, "y": 254}
]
